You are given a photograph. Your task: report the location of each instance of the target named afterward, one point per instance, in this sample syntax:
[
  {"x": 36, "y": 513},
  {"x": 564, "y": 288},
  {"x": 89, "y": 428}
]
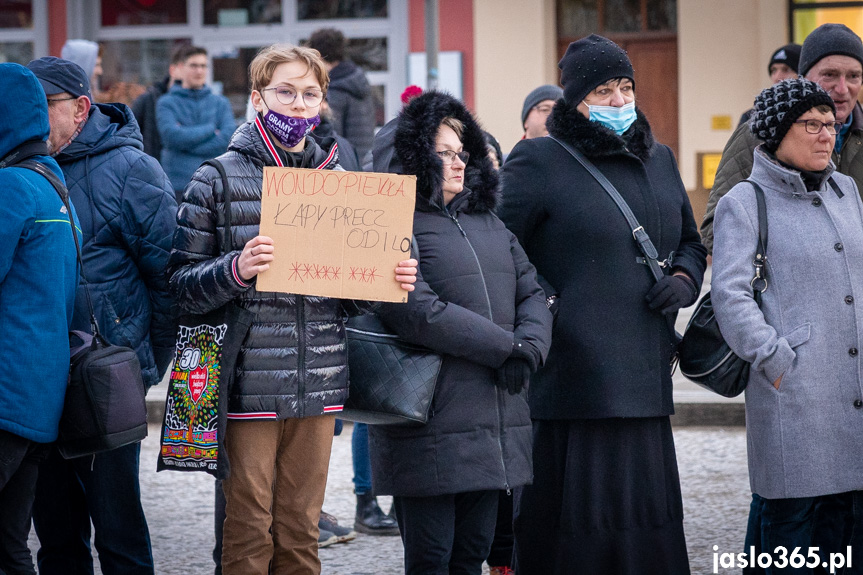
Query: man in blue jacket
[
  {"x": 194, "y": 123},
  {"x": 38, "y": 278},
  {"x": 128, "y": 216}
]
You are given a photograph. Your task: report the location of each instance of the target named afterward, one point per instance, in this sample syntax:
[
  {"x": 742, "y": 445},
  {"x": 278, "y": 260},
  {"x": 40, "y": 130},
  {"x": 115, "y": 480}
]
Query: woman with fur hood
[
  {"x": 476, "y": 302},
  {"x": 606, "y": 492}
]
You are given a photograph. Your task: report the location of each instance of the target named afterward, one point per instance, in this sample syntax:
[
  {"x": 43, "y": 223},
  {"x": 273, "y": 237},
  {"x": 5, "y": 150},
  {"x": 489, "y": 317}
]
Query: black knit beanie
[
  {"x": 827, "y": 40},
  {"x": 780, "y": 105},
  {"x": 788, "y": 54},
  {"x": 590, "y": 62}
]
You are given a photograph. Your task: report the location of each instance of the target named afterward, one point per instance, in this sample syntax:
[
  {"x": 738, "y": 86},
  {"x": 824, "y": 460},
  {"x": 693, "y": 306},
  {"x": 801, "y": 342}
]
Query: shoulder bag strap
[
  {"x": 64, "y": 197},
  {"x": 759, "y": 281},
  {"x": 638, "y": 234},
  {"x": 227, "y": 245}
]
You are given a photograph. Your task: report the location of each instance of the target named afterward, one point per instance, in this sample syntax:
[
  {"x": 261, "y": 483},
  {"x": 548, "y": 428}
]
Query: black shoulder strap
[
  {"x": 227, "y": 245},
  {"x": 61, "y": 190},
  {"x": 638, "y": 234},
  {"x": 759, "y": 282},
  {"x": 23, "y": 152}
]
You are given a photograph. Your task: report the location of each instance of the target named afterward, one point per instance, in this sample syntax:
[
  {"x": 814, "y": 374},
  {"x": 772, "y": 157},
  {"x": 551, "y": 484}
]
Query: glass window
[
  {"x": 378, "y": 95},
  {"x": 622, "y": 16},
  {"x": 140, "y": 13},
  {"x": 807, "y": 19},
  {"x": 242, "y": 12},
  {"x": 578, "y": 18},
  {"x": 369, "y": 53},
  {"x": 17, "y": 52},
  {"x": 130, "y": 66},
  {"x": 324, "y": 9},
  {"x": 232, "y": 70},
  {"x": 16, "y": 14},
  {"x": 662, "y": 15}
]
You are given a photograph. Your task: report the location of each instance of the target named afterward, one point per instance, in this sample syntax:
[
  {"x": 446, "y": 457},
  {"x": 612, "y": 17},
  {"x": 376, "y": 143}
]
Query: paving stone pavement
[{"x": 179, "y": 508}]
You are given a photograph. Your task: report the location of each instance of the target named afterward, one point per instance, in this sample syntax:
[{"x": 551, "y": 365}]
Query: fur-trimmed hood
[
  {"x": 595, "y": 140},
  {"x": 414, "y": 146}
]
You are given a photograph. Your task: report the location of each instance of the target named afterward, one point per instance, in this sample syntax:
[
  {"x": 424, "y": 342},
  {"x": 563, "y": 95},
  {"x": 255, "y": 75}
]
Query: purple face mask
[{"x": 289, "y": 130}]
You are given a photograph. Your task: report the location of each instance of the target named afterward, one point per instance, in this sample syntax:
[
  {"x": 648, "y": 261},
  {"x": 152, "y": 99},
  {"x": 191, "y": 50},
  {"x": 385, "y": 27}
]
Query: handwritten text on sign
[{"x": 336, "y": 234}]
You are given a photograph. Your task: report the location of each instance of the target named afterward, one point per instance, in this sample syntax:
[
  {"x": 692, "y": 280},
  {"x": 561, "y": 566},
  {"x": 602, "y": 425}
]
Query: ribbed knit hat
[
  {"x": 590, "y": 62},
  {"x": 541, "y": 94},
  {"x": 780, "y": 105},
  {"x": 827, "y": 40},
  {"x": 788, "y": 54}
]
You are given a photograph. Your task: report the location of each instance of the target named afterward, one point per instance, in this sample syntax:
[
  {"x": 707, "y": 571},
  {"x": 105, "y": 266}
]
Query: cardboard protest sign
[{"x": 336, "y": 234}]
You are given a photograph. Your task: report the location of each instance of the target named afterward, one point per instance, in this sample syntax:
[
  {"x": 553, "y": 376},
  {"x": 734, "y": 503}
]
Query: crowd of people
[{"x": 549, "y": 447}]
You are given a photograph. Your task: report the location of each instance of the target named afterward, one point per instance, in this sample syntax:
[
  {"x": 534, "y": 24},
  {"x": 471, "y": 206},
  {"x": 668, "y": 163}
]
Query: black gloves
[
  {"x": 671, "y": 293},
  {"x": 514, "y": 374}
]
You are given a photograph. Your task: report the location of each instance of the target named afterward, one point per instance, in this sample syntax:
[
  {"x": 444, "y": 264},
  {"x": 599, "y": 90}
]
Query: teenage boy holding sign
[{"x": 291, "y": 375}]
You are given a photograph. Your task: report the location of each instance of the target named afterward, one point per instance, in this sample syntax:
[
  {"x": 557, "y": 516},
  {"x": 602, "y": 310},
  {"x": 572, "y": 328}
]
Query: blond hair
[
  {"x": 454, "y": 124},
  {"x": 264, "y": 65}
]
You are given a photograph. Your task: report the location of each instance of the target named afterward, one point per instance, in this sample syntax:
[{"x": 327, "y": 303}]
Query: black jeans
[
  {"x": 105, "y": 489},
  {"x": 19, "y": 469},
  {"x": 447, "y": 534},
  {"x": 501, "y": 547},
  {"x": 829, "y": 522}
]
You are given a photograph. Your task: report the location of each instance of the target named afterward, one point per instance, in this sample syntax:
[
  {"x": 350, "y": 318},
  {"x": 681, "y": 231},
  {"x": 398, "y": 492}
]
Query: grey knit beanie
[
  {"x": 541, "y": 94},
  {"x": 590, "y": 62},
  {"x": 827, "y": 40},
  {"x": 780, "y": 105}
]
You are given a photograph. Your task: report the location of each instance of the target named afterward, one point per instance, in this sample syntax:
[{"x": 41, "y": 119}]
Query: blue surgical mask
[{"x": 612, "y": 117}]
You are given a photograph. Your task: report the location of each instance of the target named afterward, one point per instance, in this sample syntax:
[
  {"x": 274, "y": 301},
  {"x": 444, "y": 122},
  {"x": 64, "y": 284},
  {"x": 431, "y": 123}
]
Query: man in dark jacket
[
  {"x": 38, "y": 278},
  {"x": 144, "y": 108},
  {"x": 128, "y": 216},
  {"x": 832, "y": 57},
  {"x": 349, "y": 96}
]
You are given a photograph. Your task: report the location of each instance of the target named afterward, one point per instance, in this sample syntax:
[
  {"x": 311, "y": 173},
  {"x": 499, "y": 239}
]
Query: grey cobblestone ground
[{"x": 179, "y": 508}]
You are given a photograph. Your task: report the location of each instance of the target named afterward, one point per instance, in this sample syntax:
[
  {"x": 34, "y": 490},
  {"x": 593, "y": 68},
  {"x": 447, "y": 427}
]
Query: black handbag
[
  {"x": 705, "y": 357},
  {"x": 392, "y": 381},
  {"x": 105, "y": 406},
  {"x": 207, "y": 348}
]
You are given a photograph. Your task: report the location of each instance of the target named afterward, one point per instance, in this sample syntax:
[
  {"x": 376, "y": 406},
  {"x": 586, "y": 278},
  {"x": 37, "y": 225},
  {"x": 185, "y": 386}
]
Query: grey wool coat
[{"x": 806, "y": 438}]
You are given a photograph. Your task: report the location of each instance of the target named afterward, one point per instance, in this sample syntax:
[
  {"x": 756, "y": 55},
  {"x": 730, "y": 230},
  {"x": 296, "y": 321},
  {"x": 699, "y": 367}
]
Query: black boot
[{"x": 370, "y": 519}]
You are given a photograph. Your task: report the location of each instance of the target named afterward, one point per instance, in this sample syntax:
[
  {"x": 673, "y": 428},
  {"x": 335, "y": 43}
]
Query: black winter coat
[
  {"x": 475, "y": 292},
  {"x": 128, "y": 214},
  {"x": 144, "y": 108},
  {"x": 350, "y": 98},
  {"x": 293, "y": 361},
  {"x": 610, "y": 353}
]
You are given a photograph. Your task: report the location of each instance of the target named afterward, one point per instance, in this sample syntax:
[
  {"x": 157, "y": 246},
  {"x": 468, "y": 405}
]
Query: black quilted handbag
[
  {"x": 392, "y": 382},
  {"x": 705, "y": 357}
]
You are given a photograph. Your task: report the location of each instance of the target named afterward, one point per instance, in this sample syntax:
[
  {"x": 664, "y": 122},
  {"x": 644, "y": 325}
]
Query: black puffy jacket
[
  {"x": 293, "y": 362},
  {"x": 475, "y": 292},
  {"x": 351, "y": 101}
]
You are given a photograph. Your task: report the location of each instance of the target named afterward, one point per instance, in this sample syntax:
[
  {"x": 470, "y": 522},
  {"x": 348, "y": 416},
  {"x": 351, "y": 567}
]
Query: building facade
[{"x": 698, "y": 63}]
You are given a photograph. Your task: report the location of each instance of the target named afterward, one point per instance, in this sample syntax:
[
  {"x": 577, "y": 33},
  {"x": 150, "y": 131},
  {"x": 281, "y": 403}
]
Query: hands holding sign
[
  {"x": 258, "y": 253},
  {"x": 406, "y": 274}
]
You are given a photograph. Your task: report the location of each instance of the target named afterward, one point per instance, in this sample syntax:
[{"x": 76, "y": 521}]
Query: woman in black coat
[
  {"x": 606, "y": 492},
  {"x": 477, "y": 302}
]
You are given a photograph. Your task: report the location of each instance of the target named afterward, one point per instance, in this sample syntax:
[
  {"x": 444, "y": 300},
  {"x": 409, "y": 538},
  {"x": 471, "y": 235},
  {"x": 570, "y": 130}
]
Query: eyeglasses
[
  {"x": 51, "y": 100},
  {"x": 544, "y": 110},
  {"x": 448, "y": 157},
  {"x": 815, "y": 126},
  {"x": 286, "y": 96}
]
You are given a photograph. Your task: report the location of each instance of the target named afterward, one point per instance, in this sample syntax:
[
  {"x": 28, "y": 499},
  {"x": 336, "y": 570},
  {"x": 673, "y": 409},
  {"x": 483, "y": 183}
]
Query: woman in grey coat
[{"x": 804, "y": 400}]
